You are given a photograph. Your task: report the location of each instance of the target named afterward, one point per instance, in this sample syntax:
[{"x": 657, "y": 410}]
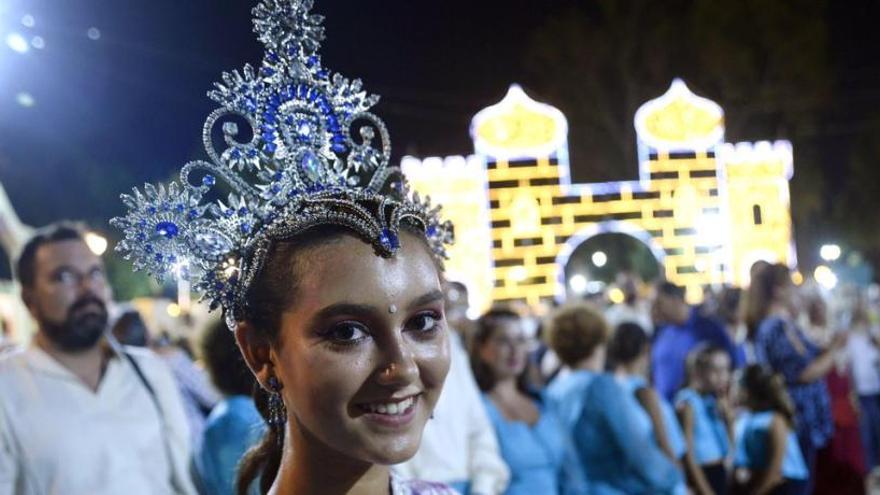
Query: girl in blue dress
[
  {"x": 629, "y": 355},
  {"x": 705, "y": 419},
  {"x": 768, "y": 459},
  {"x": 530, "y": 436}
]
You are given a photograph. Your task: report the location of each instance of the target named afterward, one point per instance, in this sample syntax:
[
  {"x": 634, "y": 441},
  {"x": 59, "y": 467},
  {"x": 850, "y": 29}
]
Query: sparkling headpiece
[{"x": 302, "y": 168}]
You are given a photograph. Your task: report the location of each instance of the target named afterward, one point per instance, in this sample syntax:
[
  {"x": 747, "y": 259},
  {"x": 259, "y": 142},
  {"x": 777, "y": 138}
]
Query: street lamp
[
  {"x": 829, "y": 252},
  {"x": 578, "y": 283},
  {"x": 825, "y": 277},
  {"x": 96, "y": 243}
]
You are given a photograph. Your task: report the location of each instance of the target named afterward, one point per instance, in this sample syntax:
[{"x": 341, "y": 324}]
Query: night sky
[{"x": 128, "y": 107}]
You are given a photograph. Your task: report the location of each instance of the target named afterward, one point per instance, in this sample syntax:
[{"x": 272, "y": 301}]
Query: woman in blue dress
[
  {"x": 530, "y": 436},
  {"x": 618, "y": 454},
  {"x": 629, "y": 356},
  {"x": 768, "y": 459},
  {"x": 780, "y": 344}
]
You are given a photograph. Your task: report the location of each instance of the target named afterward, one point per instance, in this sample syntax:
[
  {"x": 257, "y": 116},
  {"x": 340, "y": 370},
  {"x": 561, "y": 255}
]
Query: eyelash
[{"x": 347, "y": 343}]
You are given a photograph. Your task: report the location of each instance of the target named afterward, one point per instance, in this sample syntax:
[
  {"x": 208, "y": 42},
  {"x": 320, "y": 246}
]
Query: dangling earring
[{"x": 277, "y": 412}]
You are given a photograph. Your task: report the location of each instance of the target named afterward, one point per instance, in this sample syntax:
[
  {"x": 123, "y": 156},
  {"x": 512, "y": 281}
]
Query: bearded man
[{"x": 78, "y": 412}]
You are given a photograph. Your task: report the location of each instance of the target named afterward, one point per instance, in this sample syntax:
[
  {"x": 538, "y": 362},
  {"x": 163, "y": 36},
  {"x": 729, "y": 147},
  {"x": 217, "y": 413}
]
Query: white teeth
[{"x": 392, "y": 408}]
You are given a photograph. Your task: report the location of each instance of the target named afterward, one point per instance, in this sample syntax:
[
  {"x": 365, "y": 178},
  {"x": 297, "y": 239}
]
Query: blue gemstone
[
  {"x": 236, "y": 153},
  {"x": 242, "y": 211},
  {"x": 159, "y": 257},
  {"x": 267, "y": 71},
  {"x": 209, "y": 180},
  {"x": 289, "y": 120},
  {"x": 311, "y": 165},
  {"x": 172, "y": 259},
  {"x": 193, "y": 214},
  {"x": 313, "y": 94},
  {"x": 431, "y": 231},
  {"x": 178, "y": 208},
  {"x": 167, "y": 229},
  {"x": 268, "y": 137},
  {"x": 311, "y": 61},
  {"x": 301, "y": 91},
  {"x": 210, "y": 276},
  {"x": 270, "y": 147},
  {"x": 252, "y": 152},
  {"x": 142, "y": 223},
  {"x": 275, "y": 189},
  {"x": 278, "y": 176},
  {"x": 338, "y": 148},
  {"x": 245, "y": 228},
  {"x": 322, "y": 74},
  {"x": 141, "y": 237},
  {"x": 152, "y": 210},
  {"x": 218, "y": 285},
  {"x": 384, "y": 239},
  {"x": 272, "y": 56},
  {"x": 228, "y": 213},
  {"x": 269, "y": 117},
  {"x": 148, "y": 248}
]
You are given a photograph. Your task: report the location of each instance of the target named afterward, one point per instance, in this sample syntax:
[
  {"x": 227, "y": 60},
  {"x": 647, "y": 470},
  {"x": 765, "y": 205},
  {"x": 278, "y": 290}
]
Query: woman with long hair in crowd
[
  {"x": 629, "y": 357},
  {"x": 706, "y": 418},
  {"x": 772, "y": 309},
  {"x": 530, "y": 435},
  {"x": 619, "y": 457},
  {"x": 768, "y": 460}
]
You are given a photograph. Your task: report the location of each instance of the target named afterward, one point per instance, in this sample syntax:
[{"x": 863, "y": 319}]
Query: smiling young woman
[{"x": 357, "y": 380}]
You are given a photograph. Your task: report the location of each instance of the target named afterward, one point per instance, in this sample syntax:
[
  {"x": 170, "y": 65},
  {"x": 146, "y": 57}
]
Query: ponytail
[
  {"x": 263, "y": 459},
  {"x": 766, "y": 392}
]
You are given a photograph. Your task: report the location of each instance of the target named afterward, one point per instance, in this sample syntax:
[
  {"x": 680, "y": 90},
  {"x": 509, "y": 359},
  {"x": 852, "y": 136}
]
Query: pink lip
[{"x": 395, "y": 421}]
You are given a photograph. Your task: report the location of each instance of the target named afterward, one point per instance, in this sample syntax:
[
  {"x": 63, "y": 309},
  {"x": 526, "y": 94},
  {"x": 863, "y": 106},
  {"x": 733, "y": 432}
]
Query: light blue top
[
  {"x": 540, "y": 457},
  {"x": 565, "y": 395},
  {"x": 710, "y": 434},
  {"x": 617, "y": 454},
  {"x": 670, "y": 421},
  {"x": 752, "y": 433},
  {"x": 233, "y": 426}
]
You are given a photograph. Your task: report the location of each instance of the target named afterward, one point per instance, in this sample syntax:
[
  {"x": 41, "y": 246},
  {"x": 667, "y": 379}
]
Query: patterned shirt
[{"x": 774, "y": 348}]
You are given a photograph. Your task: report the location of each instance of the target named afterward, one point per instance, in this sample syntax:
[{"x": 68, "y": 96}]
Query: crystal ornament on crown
[{"x": 301, "y": 169}]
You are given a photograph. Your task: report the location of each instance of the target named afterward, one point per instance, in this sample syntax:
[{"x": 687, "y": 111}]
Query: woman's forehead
[{"x": 350, "y": 271}]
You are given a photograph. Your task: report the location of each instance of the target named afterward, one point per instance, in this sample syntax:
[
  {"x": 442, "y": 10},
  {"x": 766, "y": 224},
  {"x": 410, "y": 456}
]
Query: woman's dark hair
[
  {"x": 730, "y": 305},
  {"x": 575, "y": 331},
  {"x": 761, "y": 294},
  {"x": 272, "y": 291},
  {"x": 766, "y": 392},
  {"x": 627, "y": 343},
  {"x": 130, "y": 329},
  {"x": 224, "y": 362},
  {"x": 485, "y": 327}
]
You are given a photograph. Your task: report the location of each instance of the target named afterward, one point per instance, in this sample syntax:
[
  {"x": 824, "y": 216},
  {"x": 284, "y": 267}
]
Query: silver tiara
[{"x": 301, "y": 168}]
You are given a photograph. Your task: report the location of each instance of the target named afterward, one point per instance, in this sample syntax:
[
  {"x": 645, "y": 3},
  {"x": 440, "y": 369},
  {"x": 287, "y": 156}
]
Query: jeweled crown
[{"x": 300, "y": 169}]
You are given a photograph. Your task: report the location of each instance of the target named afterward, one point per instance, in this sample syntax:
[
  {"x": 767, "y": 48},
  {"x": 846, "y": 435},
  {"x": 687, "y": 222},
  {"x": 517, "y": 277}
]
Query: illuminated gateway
[{"x": 706, "y": 209}]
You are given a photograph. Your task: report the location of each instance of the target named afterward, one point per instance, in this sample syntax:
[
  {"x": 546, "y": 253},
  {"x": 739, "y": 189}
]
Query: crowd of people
[{"x": 769, "y": 389}]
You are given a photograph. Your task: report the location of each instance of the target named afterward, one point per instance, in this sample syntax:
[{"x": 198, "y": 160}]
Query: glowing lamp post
[{"x": 829, "y": 252}]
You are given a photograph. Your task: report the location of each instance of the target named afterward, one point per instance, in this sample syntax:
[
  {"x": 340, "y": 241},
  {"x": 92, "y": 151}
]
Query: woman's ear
[{"x": 256, "y": 351}]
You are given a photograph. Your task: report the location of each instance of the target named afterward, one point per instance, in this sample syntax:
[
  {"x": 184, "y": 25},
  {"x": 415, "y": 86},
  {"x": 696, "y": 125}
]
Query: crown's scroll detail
[{"x": 312, "y": 154}]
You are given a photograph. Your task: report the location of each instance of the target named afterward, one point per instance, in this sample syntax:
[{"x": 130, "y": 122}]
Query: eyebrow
[{"x": 364, "y": 310}]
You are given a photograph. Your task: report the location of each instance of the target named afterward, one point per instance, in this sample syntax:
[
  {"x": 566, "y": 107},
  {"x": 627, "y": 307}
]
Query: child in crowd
[
  {"x": 629, "y": 355},
  {"x": 706, "y": 419},
  {"x": 768, "y": 459}
]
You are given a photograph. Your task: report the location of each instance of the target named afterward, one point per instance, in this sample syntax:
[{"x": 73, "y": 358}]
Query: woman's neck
[
  {"x": 593, "y": 363},
  {"x": 505, "y": 389},
  {"x": 312, "y": 468}
]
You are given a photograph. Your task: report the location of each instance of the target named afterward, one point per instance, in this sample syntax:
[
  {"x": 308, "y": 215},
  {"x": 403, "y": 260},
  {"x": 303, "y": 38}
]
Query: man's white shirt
[{"x": 57, "y": 436}]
